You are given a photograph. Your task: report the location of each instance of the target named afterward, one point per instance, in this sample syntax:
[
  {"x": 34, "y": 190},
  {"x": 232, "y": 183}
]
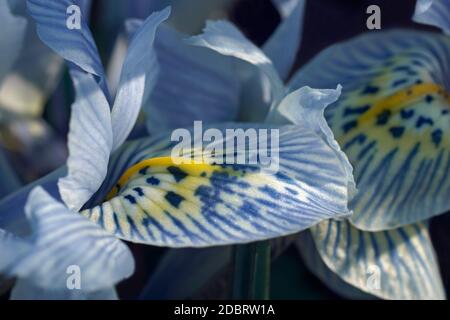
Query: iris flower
[
  {"x": 136, "y": 192},
  {"x": 390, "y": 120}
]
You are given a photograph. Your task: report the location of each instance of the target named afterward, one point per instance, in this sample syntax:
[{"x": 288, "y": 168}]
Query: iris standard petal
[
  {"x": 225, "y": 38},
  {"x": 433, "y": 12},
  {"x": 213, "y": 87},
  {"x": 90, "y": 142},
  {"x": 392, "y": 121},
  {"x": 139, "y": 72},
  {"x": 193, "y": 84},
  {"x": 63, "y": 239},
  {"x": 11, "y": 37},
  {"x": 74, "y": 44},
  {"x": 156, "y": 201},
  {"x": 283, "y": 44},
  {"x": 393, "y": 264}
]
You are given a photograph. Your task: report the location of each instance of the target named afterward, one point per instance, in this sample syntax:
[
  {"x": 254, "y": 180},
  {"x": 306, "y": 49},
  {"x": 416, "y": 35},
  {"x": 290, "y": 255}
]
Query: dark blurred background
[{"x": 326, "y": 21}]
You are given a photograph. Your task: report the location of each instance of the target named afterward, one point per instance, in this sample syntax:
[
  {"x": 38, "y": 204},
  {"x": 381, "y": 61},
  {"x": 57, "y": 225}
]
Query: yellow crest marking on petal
[
  {"x": 402, "y": 98},
  {"x": 193, "y": 167}
]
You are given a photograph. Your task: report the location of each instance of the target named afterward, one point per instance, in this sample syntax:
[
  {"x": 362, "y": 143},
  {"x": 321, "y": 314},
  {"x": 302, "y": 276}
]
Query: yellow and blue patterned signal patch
[
  {"x": 156, "y": 199},
  {"x": 394, "y": 127},
  {"x": 162, "y": 203}
]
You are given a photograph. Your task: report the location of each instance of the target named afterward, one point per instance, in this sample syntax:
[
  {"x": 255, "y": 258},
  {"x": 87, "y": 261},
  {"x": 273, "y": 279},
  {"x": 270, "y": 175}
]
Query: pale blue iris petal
[
  {"x": 61, "y": 239},
  {"x": 397, "y": 185},
  {"x": 26, "y": 290},
  {"x": 11, "y": 249},
  {"x": 90, "y": 142},
  {"x": 433, "y": 12},
  {"x": 193, "y": 84},
  {"x": 394, "y": 264},
  {"x": 75, "y": 45},
  {"x": 313, "y": 261},
  {"x": 11, "y": 37},
  {"x": 225, "y": 38},
  {"x": 160, "y": 208},
  {"x": 352, "y": 62},
  {"x": 139, "y": 72},
  {"x": 12, "y": 216},
  {"x": 306, "y": 107},
  {"x": 283, "y": 44}
]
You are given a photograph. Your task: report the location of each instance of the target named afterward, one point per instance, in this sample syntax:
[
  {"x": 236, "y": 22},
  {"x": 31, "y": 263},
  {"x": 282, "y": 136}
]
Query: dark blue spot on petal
[
  {"x": 406, "y": 114},
  {"x": 370, "y": 90},
  {"x": 177, "y": 173},
  {"x": 429, "y": 98},
  {"x": 174, "y": 199},
  {"x": 383, "y": 117},
  {"x": 153, "y": 181},
  {"x": 356, "y": 110},
  {"x": 401, "y": 68},
  {"x": 139, "y": 191},
  {"x": 436, "y": 137},
  {"x": 399, "y": 82},
  {"x": 349, "y": 125},
  {"x": 397, "y": 132},
  {"x": 130, "y": 198},
  {"x": 423, "y": 121}
]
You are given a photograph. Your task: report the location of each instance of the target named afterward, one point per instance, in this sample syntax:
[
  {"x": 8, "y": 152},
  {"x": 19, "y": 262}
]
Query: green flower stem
[{"x": 251, "y": 278}]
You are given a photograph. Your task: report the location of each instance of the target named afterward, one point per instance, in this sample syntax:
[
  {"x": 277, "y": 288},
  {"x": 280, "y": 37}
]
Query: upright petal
[
  {"x": 223, "y": 37},
  {"x": 74, "y": 44},
  {"x": 139, "y": 72},
  {"x": 63, "y": 241},
  {"x": 392, "y": 121},
  {"x": 11, "y": 37},
  {"x": 394, "y": 264},
  {"x": 283, "y": 44},
  {"x": 90, "y": 142},
  {"x": 193, "y": 84},
  {"x": 433, "y": 12}
]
